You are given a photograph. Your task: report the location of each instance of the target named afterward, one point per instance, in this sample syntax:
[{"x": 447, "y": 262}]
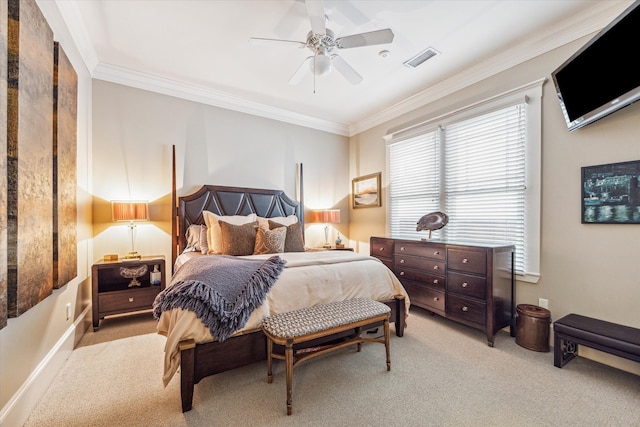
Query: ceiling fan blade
[
  {"x": 302, "y": 70},
  {"x": 346, "y": 70},
  {"x": 315, "y": 10},
  {"x": 262, "y": 41},
  {"x": 365, "y": 39}
]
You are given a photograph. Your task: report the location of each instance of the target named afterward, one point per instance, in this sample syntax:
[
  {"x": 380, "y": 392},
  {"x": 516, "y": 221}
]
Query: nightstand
[
  {"x": 333, "y": 248},
  {"x": 110, "y": 290}
]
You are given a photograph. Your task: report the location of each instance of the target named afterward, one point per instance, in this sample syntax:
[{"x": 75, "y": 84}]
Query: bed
[{"x": 190, "y": 345}]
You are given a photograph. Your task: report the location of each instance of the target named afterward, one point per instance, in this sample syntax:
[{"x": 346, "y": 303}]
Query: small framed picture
[
  {"x": 611, "y": 193},
  {"x": 366, "y": 191}
]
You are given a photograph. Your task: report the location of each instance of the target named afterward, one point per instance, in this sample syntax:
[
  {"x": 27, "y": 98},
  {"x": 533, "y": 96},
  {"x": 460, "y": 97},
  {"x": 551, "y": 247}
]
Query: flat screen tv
[{"x": 603, "y": 76}]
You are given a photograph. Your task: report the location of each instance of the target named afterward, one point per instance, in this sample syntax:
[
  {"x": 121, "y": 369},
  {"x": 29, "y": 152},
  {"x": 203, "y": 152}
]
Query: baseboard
[{"x": 19, "y": 407}]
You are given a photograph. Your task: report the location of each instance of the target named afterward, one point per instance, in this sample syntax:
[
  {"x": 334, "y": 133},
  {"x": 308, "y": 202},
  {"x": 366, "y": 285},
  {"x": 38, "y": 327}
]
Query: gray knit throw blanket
[{"x": 221, "y": 290}]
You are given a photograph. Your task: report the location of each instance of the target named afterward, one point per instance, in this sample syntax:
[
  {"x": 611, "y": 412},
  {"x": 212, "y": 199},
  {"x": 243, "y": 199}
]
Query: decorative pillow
[
  {"x": 193, "y": 238},
  {"x": 238, "y": 239},
  {"x": 214, "y": 238},
  {"x": 204, "y": 244},
  {"x": 294, "y": 241},
  {"x": 270, "y": 241},
  {"x": 284, "y": 220}
]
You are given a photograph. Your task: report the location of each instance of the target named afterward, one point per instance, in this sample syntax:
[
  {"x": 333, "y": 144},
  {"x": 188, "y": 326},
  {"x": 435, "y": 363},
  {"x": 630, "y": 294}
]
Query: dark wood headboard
[{"x": 223, "y": 200}]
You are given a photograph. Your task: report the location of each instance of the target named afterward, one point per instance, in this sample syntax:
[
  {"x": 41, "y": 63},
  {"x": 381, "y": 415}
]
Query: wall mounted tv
[{"x": 603, "y": 76}]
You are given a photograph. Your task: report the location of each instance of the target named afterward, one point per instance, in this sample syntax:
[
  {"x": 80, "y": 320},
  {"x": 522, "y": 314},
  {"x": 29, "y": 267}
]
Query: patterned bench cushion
[{"x": 322, "y": 317}]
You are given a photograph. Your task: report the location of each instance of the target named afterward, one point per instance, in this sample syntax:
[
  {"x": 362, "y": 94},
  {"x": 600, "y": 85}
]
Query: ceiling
[{"x": 200, "y": 50}]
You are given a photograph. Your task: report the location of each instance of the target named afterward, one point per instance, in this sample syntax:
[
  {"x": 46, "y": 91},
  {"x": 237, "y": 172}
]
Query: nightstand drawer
[
  {"x": 129, "y": 300},
  {"x": 465, "y": 260}
]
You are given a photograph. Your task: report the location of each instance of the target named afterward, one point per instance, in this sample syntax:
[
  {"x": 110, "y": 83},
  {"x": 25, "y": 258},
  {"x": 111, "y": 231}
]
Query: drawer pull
[
  {"x": 465, "y": 260},
  {"x": 401, "y": 261},
  {"x": 381, "y": 249},
  {"x": 436, "y": 253},
  {"x": 436, "y": 298},
  {"x": 401, "y": 248},
  {"x": 435, "y": 281},
  {"x": 464, "y": 284},
  {"x": 465, "y": 308},
  {"x": 435, "y": 267},
  {"x": 402, "y": 273},
  {"x": 130, "y": 299}
]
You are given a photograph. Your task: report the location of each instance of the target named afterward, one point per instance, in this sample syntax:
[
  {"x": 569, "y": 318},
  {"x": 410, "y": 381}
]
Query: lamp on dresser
[
  {"x": 131, "y": 211},
  {"x": 327, "y": 217}
]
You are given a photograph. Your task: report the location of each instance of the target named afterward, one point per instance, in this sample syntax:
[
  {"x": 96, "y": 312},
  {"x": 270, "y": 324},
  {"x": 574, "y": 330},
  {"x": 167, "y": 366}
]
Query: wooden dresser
[{"x": 470, "y": 284}]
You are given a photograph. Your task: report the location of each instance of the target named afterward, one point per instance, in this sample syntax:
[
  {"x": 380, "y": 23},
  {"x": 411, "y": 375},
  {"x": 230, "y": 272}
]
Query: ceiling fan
[{"x": 322, "y": 41}]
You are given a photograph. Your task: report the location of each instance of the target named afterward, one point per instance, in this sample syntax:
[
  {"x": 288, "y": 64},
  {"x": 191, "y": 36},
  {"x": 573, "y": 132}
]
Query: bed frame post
[
  {"x": 174, "y": 210},
  {"x": 187, "y": 373}
]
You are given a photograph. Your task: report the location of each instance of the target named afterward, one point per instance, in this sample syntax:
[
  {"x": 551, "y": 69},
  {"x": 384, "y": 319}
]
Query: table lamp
[
  {"x": 326, "y": 216},
  {"x": 132, "y": 212}
]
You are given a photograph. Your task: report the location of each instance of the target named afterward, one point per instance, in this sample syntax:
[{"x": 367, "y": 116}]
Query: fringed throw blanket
[{"x": 221, "y": 290}]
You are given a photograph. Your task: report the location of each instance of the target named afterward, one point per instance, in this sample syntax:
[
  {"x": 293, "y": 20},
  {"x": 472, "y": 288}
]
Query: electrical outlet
[
  {"x": 68, "y": 310},
  {"x": 544, "y": 303}
]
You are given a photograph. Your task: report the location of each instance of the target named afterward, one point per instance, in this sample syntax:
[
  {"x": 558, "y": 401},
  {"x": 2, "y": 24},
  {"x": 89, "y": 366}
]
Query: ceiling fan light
[{"x": 321, "y": 64}]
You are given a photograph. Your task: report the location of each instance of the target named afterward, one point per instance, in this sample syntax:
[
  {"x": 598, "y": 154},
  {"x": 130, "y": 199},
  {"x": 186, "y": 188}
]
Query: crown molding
[
  {"x": 591, "y": 20},
  {"x": 210, "y": 96}
]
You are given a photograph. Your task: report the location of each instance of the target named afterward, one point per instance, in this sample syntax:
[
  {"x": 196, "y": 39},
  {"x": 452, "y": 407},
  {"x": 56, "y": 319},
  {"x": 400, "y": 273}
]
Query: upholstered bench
[
  {"x": 311, "y": 323},
  {"x": 574, "y": 329}
]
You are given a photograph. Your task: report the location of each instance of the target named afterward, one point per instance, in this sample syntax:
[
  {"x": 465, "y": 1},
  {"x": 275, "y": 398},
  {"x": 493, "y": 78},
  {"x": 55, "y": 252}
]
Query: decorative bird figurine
[{"x": 432, "y": 221}]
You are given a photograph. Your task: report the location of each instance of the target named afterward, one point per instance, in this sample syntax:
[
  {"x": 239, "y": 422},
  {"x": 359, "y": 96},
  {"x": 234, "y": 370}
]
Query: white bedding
[{"x": 308, "y": 278}]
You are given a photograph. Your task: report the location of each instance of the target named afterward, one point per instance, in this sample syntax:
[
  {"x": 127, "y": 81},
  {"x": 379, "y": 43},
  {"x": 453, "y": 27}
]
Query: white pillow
[
  {"x": 214, "y": 234},
  {"x": 284, "y": 220}
]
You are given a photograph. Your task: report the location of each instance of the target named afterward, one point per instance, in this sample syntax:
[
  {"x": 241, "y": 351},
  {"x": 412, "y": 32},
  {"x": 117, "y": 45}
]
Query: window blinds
[{"x": 474, "y": 171}]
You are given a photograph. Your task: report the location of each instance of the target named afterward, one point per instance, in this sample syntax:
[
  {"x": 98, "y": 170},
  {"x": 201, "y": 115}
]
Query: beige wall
[
  {"x": 587, "y": 269},
  {"x": 133, "y": 131},
  {"x": 34, "y": 345}
]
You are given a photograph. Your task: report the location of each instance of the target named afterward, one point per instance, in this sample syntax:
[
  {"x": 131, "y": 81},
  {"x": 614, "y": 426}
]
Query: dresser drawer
[
  {"x": 464, "y": 284},
  {"x": 466, "y": 310},
  {"x": 427, "y": 265},
  {"x": 381, "y": 248},
  {"x": 467, "y": 260},
  {"x": 423, "y": 296},
  {"x": 421, "y": 276},
  {"x": 129, "y": 300},
  {"x": 421, "y": 249}
]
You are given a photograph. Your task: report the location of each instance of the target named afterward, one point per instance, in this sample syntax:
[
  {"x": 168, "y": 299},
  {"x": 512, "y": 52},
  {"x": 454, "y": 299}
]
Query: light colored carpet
[{"x": 442, "y": 374}]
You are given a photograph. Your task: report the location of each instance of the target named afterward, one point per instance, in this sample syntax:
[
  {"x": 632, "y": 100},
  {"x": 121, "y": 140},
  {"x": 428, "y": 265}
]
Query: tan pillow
[
  {"x": 238, "y": 239},
  {"x": 294, "y": 241},
  {"x": 204, "y": 243},
  {"x": 270, "y": 241},
  {"x": 284, "y": 220},
  {"x": 214, "y": 238}
]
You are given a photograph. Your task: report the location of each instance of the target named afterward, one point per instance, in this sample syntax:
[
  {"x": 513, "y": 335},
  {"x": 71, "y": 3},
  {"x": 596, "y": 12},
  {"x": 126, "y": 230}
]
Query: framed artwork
[
  {"x": 611, "y": 193},
  {"x": 366, "y": 191}
]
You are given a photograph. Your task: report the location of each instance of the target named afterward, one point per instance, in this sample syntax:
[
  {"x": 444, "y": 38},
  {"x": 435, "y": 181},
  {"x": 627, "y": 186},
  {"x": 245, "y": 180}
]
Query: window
[{"x": 481, "y": 166}]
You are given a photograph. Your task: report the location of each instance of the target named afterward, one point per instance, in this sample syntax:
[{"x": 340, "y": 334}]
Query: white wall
[
  {"x": 587, "y": 269},
  {"x": 133, "y": 131},
  {"x": 34, "y": 345}
]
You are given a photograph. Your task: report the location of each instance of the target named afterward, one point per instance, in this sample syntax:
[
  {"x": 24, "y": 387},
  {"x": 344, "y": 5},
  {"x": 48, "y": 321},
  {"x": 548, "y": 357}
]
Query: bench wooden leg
[
  {"x": 269, "y": 360},
  {"x": 386, "y": 343},
  {"x": 288, "y": 358},
  {"x": 563, "y": 351}
]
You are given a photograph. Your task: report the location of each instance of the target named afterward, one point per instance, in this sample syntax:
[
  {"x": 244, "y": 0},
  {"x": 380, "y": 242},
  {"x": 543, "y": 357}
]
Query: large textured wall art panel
[
  {"x": 65, "y": 90},
  {"x": 29, "y": 157},
  {"x": 3, "y": 164}
]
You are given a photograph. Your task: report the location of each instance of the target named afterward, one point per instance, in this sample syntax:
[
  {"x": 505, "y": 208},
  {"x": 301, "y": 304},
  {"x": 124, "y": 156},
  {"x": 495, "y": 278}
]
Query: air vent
[{"x": 428, "y": 53}]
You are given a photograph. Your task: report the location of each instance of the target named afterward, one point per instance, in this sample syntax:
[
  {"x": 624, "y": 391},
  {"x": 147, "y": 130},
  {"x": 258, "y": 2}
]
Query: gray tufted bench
[{"x": 322, "y": 320}]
